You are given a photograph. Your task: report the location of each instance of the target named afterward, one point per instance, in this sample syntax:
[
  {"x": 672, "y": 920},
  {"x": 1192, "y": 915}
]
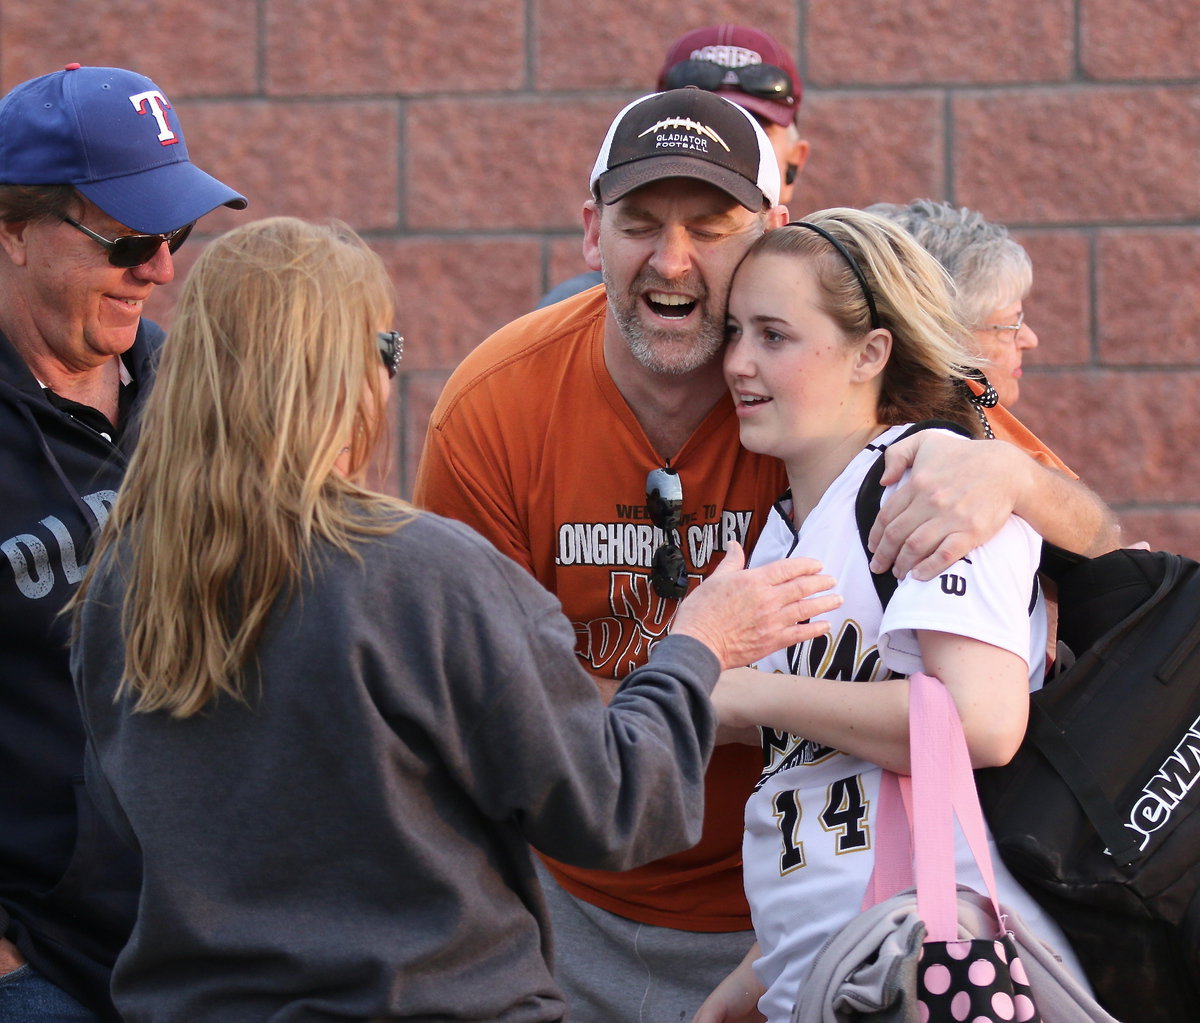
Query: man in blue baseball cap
[{"x": 97, "y": 193}]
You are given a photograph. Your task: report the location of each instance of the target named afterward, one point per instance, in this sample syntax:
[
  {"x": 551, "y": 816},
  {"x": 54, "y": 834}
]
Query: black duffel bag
[{"x": 1098, "y": 815}]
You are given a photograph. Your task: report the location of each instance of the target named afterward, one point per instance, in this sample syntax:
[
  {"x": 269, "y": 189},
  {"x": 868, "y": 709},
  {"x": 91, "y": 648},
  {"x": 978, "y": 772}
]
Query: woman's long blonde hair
[{"x": 270, "y": 371}]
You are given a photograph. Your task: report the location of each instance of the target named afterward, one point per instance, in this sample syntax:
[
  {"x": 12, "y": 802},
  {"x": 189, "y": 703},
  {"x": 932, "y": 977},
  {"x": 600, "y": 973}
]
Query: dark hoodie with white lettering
[{"x": 68, "y": 885}]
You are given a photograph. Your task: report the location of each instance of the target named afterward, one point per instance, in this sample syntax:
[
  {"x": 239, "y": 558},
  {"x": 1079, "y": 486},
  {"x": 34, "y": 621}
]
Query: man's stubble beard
[{"x": 666, "y": 352}]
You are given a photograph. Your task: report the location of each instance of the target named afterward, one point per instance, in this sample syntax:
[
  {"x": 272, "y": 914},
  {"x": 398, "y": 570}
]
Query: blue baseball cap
[{"x": 113, "y": 135}]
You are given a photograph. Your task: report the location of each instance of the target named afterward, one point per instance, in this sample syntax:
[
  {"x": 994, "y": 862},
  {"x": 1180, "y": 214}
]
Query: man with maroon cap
[
  {"x": 595, "y": 442},
  {"x": 747, "y": 67},
  {"x": 97, "y": 193}
]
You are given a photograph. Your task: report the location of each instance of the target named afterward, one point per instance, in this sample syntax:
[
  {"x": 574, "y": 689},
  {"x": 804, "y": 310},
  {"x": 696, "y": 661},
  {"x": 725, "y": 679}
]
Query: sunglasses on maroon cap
[
  {"x": 765, "y": 81},
  {"x": 130, "y": 250}
]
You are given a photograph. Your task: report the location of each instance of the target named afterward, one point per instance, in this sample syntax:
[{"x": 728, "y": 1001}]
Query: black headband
[{"x": 862, "y": 280}]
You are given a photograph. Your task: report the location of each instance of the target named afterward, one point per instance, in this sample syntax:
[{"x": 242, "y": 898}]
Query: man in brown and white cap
[
  {"x": 747, "y": 67},
  {"x": 550, "y": 439},
  {"x": 543, "y": 440}
]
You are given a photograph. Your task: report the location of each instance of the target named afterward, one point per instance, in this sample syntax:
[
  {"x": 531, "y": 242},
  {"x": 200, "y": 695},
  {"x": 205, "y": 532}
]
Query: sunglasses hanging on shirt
[{"x": 664, "y": 502}]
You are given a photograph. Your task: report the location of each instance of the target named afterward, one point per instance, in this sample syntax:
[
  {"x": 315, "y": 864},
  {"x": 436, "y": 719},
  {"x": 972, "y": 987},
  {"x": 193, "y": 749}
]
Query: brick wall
[{"x": 457, "y": 137}]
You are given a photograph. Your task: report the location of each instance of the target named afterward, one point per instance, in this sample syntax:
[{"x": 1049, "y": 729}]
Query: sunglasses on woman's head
[
  {"x": 130, "y": 250},
  {"x": 391, "y": 347}
]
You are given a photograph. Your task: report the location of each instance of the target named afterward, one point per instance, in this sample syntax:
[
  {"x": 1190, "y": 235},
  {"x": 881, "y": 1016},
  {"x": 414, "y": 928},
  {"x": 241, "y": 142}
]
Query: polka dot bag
[{"x": 979, "y": 981}]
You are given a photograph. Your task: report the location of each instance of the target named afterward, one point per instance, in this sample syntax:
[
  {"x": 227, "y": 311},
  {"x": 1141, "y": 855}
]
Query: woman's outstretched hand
[{"x": 744, "y": 614}]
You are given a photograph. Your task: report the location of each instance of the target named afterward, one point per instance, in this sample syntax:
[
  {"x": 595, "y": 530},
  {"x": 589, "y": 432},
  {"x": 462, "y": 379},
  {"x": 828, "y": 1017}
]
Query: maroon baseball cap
[{"x": 759, "y": 73}]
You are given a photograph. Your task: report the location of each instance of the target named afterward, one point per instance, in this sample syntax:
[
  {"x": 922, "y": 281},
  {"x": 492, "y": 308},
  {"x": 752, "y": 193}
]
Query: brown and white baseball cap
[{"x": 687, "y": 133}]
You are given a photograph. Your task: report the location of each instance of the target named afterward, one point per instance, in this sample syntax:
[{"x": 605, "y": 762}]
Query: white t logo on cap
[{"x": 154, "y": 102}]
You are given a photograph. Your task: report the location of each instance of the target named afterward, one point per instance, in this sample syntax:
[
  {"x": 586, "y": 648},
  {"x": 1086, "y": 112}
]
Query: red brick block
[
  {"x": 1149, "y": 296},
  {"x": 1059, "y": 305},
  {"x": 313, "y": 160},
  {"x": 865, "y": 149},
  {"x": 565, "y": 259},
  {"x": 1140, "y": 38},
  {"x": 524, "y": 164},
  {"x": 381, "y": 46},
  {"x": 1090, "y": 156},
  {"x": 1175, "y": 530},
  {"x": 450, "y": 295},
  {"x": 188, "y": 49},
  {"x": 1131, "y": 436},
  {"x": 939, "y": 41},
  {"x": 609, "y": 44}
]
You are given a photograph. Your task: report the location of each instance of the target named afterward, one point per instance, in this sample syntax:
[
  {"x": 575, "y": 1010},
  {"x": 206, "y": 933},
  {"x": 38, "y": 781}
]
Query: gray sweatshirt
[{"x": 355, "y": 843}]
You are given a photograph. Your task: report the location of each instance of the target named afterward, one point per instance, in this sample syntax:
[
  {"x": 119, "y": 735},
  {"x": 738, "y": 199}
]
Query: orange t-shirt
[{"x": 532, "y": 445}]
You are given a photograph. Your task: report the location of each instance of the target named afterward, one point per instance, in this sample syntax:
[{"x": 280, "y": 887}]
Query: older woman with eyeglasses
[
  {"x": 992, "y": 275},
  {"x": 333, "y": 724}
]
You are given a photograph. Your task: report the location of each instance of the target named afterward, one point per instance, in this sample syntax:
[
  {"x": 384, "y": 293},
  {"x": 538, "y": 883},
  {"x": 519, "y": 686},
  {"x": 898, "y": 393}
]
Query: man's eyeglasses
[
  {"x": 664, "y": 502},
  {"x": 130, "y": 250},
  {"x": 1014, "y": 327},
  {"x": 765, "y": 81},
  {"x": 391, "y": 347}
]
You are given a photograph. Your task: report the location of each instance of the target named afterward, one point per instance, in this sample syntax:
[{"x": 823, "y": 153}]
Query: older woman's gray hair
[{"x": 990, "y": 269}]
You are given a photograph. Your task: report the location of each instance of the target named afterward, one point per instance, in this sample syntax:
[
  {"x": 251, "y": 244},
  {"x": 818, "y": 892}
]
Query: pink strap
[
  {"x": 941, "y": 786},
  {"x": 893, "y": 871}
]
